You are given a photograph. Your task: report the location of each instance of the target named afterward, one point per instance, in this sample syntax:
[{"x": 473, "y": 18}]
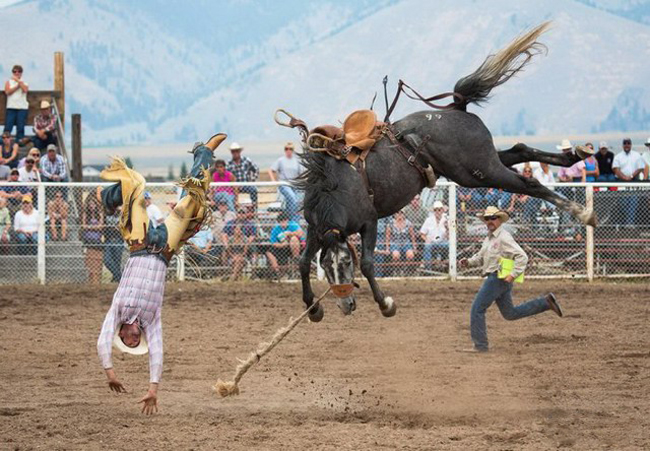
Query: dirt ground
[{"x": 359, "y": 382}]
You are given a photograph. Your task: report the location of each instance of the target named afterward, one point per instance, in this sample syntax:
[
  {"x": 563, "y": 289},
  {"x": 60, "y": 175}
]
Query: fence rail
[{"x": 70, "y": 241}]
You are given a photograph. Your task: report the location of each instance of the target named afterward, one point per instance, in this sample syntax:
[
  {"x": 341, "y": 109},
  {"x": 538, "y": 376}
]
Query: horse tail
[{"x": 500, "y": 67}]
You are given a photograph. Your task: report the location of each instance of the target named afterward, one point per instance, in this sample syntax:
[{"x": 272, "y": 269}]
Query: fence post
[
  {"x": 453, "y": 226},
  {"x": 589, "y": 204},
  {"x": 180, "y": 266},
  {"x": 41, "y": 234}
]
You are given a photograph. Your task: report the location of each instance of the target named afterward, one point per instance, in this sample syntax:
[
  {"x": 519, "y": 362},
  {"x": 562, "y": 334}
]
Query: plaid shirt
[
  {"x": 44, "y": 123},
  {"x": 138, "y": 298},
  {"x": 49, "y": 168},
  {"x": 245, "y": 171}
]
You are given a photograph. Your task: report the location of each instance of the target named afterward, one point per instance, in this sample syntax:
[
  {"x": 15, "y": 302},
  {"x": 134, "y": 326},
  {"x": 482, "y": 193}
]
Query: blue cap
[{"x": 147, "y": 195}]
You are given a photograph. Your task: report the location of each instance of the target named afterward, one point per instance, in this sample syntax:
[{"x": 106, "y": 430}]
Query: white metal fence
[{"x": 70, "y": 241}]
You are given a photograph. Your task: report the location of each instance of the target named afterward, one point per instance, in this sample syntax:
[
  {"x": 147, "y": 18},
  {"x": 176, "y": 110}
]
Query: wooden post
[
  {"x": 77, "y": 162},
  {"x": 453, "y": 233},
  {"x": 59, "y": 85},
  {"x": 589, "y": 242}
]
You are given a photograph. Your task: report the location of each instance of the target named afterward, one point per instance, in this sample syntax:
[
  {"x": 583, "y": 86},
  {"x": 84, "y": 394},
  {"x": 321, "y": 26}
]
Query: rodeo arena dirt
[{"x": 258, "y": 354}]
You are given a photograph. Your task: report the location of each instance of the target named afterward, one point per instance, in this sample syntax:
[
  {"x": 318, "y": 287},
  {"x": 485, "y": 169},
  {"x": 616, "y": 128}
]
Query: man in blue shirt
[{"x": 287, "y": 240}]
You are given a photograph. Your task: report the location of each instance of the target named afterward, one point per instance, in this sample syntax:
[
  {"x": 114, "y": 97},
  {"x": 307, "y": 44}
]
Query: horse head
[{"x": 338, "y": 260}]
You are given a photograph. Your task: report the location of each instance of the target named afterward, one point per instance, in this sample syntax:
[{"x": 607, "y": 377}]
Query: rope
[{"x": 229, "y": 388}]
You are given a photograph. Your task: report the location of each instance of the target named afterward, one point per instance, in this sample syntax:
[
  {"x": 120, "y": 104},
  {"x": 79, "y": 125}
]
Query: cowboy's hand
[
  {"x": 116, "y": 386},
  {"x": 509, "y": 278},
  {"x": 149, "y": 403}
]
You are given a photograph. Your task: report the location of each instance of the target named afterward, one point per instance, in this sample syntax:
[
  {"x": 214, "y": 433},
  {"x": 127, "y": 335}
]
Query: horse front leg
[
  {"x": 307, "y": 256},
  {"x": 521, "y": 153},
  {"x": 368, "y": 241}
]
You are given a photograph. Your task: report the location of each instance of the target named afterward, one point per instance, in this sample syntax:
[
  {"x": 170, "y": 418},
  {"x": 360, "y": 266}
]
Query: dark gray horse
[{"x": 459, "y": 147}]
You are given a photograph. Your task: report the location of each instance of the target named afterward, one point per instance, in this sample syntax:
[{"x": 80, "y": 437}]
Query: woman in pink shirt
[{"x": 227, "y": 194}]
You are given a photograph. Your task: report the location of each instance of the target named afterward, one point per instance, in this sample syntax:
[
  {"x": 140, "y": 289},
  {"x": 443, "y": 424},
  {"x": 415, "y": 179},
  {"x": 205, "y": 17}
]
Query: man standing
[
  {"x": 498, "y": 245},
  {"x": 286, "y": 169},
  {"x": 154, "y": 213},
  {"x": 628, "y": 167},
  {"x": 133, "y": 324},
  {"x": 244, "y": 170},
  {"x": 605, "y": 159},
  {"x": 646, "y": 158},
  {"x": 52, "y": 166},
  {"x": 44, "y": 124}
]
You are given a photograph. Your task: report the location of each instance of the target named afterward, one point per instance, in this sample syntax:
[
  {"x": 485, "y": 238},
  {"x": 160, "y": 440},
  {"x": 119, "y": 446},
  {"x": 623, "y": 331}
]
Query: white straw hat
[
  {"x": 235, "y": 146},
  {"x": 494, "y": 211},
  {"x": 141, "y": 349},
  {"x": 565, "y": 144}
]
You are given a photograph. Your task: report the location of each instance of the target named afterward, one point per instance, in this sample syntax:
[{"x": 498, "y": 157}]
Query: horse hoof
[
  {"x": 347, "y": 305},
  {"x": 317, "y": 315},
  {"x": 389, "y": 308},
  {"x": 588, "y": 217}
]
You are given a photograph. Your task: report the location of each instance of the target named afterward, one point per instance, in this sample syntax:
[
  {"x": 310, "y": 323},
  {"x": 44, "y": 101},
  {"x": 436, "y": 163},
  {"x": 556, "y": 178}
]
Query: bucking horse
[{"x": 342, "y": 199}]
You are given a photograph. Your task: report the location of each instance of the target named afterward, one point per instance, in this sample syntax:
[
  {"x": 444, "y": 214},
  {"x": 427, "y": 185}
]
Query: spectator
[
  {"x": 237, "y": 238},
  {"x": 414, "y": 211},
  {"x": 44, "y": 125},
  {"x": 5, "y": 172},
  {"x": 155, "y": 215},
  {"x": 26, "y": 226},
  {"x": 9, "y": 155},
  {"x": 17, "y": 106},
  {"x": 244, "y": 170},
  {"x": 287, "y": 168},
  {"x": 29, "y": 173},
  {"x": 605, "y": 159},
  {"x": 567, "y": 175},
  {"x": 435, "y": 233},
  {"x": 92, "y": 226},
  {"x": 52, "y": 166},
  {"x": 5, "y": 225},
  {"x": 113, "y": 245},
  {"x": 646, "y": 158},
  {"x": 382, "y": 253},
  {"x": 590, "y": 170},
  {"x": 400, "y": 238},
  {"x": 287, "y": 239},
  {"x": 528, "y": 204},
  {"x": 227, "y": 194},
  {"x": 200, "y": 247},
  {"x": 545, "y": 176},
  {"x": 629, "y": 164},
  {"x": 14, "y": 194},
  {"x": 57, "y": 210},
  {"x": 35, "y": 154},
  {"x": 220, "y": 217}
]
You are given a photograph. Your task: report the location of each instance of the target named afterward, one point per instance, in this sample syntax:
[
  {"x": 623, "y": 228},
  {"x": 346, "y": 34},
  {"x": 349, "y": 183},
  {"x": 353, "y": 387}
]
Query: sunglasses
[
  {"x": 17, "y": 71},
  {"x": 490, "y": 218}
]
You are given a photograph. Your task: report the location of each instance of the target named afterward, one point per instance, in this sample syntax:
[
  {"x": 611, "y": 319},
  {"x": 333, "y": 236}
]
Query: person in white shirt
[
  {"x": 28, "y": 173},
  {"x": 17, "y": 106},
  {"x": 154, "y": 213},
  {"x": 646, "y": 158},
  {"x": 628, "y": 164},
  {"x": 545, "y": 176},
  {"x": 26, "y": 225},
  {"x": 288, "y": 168},
  {"x": 435, "y": 233}
]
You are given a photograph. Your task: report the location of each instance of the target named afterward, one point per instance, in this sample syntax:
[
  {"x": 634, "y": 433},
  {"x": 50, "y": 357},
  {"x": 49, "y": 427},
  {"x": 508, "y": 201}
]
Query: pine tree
[
  {"x": 183, "y": 170},
  {"x": 170, "y": 173},
  {"x": 128, "y": 162}
]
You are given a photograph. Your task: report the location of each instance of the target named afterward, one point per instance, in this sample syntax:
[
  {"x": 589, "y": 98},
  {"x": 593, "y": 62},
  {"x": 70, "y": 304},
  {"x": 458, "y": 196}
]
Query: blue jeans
[
  {"x": 113, "y": 259},
  {"x": 27, "y": 243},
  {"x": 17, "y": 118},
  {"x": 41, "y": 144},
  {"x": 495, "y": 289},
  {"x": 251, "y": 191},
  {"x": 606, "y": 178},
  {"x": 229, "y": 199},
  {"x": 291, "y": 200},
  {"x": 531, "y": 208},
  {"x": 630, "y": 205},
  {"x": 439, "y": 249}
]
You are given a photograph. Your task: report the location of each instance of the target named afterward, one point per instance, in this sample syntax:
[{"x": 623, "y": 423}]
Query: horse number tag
[{"x": 429, "y": 117}]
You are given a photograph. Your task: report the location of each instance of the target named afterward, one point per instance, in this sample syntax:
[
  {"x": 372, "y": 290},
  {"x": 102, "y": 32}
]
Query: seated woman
[
  {"x": 400, "y": 238},
  {"x": 529, "y": 205},
  {"x": 57, "y": 210}
]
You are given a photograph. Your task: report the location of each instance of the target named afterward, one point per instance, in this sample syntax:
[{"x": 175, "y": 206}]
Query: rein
[{"x": 402, "y": 87}]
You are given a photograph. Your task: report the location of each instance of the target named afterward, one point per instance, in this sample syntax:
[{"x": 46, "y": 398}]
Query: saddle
[{"x": 353, "y": 141}]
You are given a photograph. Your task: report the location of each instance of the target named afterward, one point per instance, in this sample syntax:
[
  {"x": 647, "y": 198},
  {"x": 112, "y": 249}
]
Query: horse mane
[{"x": 320, "y": 183}]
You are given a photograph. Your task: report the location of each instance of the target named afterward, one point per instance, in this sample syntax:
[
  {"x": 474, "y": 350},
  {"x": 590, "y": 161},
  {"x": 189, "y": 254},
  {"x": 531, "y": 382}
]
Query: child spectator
[
  {"x": 17, "y": 106},
  {"x": 92, "y": 226},
  {"x": 44, "y": 125},
  {"x": 9, "y": 156},
  {"x": 590, "y": 170},
  {"x": 57, "y": 210},
  {"x": 287, "y": 239},
  {"x": 26, "y": 226},
  {"x": 227, "y": 194},
  {"x": 237, "y": 237}
]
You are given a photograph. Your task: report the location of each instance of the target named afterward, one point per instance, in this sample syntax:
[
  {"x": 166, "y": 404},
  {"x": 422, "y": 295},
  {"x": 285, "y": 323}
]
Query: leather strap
[
  {"x": 411, "y": 158},
  {"x": 459, "y": 99}
]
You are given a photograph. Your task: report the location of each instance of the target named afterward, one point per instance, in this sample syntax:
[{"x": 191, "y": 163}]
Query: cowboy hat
[
  {"x": 45, "y": 104},
  {"x": 141, "y": 349},
  {"x": 565, "y": 144},
  {"x": 647, "y": 142},
  {"x": 437, "y": 204},
  {"x": 235, "y": 146},
  {"x": 494, "y": 211}
]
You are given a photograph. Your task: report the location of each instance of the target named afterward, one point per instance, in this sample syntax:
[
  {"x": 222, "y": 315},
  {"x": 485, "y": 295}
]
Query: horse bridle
[{"x": 343, "y": 290}]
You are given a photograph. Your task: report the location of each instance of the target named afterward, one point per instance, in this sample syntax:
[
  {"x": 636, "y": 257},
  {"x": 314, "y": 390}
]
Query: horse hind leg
[{"x": 521, "y": 153}]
